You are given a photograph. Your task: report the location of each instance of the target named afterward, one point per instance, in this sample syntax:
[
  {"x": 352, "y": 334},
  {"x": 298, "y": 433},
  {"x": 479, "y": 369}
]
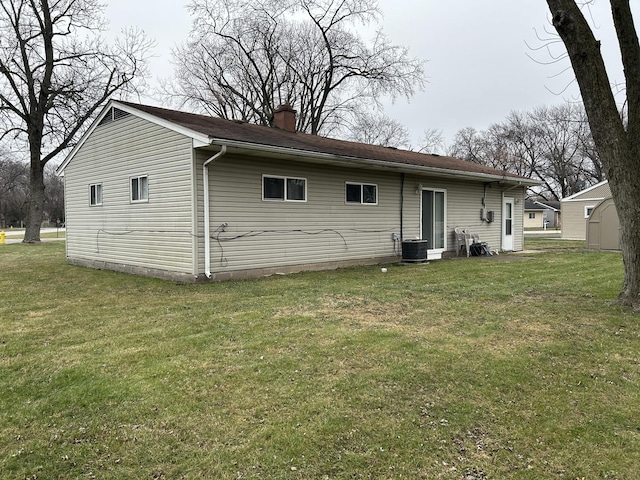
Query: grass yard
[{"x": 481, "y": 368}]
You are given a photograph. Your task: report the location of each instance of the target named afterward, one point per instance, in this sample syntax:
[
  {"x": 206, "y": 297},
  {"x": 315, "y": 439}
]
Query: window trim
[
  {"x": 586, "y": 210},
  {"x": 139, "y": 200},
  {"x": 445, "y": 200},
  {"x": 91, "y": 188},
  {"x": 286, "y": 192},
  {"x": 361, "y": 185}
]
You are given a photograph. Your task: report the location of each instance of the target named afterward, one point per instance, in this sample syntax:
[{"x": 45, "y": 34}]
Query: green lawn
[{"x": 484, "y": 368}]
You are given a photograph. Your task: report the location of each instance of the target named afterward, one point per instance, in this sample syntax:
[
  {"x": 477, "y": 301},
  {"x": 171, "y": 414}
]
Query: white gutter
[
  {"x": 207, "y": 226},
  {"x": 308, "y": 154}
]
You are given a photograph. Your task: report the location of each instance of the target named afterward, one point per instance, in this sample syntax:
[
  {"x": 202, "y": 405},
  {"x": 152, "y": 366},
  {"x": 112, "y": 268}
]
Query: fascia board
[
  {"x": 333, "y": 158},
  {"x": 545, "y": 206},
  {"x": 589, "y": 199}
]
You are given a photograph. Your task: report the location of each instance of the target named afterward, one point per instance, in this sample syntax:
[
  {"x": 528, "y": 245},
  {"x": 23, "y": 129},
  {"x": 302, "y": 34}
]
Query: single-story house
[
  {"x": 577, "y": 208},
  {"x": 189, "y": 197},
  {"x": 541, "y": 214}
]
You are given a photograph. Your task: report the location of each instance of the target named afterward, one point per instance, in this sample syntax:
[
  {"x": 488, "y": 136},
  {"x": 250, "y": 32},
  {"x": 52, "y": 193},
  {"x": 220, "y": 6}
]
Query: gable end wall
[{"x": 157, "y": 235}]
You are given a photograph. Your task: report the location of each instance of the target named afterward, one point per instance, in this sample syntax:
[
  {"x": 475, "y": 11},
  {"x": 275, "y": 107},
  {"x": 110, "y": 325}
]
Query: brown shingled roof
[{"x": 218, "y": 128}]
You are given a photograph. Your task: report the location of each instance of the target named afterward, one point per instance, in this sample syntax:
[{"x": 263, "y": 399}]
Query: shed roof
[{"x": 599, "y": 191}]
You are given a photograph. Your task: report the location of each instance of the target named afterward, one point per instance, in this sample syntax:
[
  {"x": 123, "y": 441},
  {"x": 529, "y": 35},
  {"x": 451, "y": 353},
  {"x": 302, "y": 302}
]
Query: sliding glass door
[{"x": 434, "y": 207}]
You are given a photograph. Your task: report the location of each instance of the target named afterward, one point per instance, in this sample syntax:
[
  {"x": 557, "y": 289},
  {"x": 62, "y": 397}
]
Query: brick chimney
[{"x": 285, "y": 118}]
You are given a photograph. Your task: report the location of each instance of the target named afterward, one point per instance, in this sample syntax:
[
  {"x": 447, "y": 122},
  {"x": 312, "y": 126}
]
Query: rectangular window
[
  {"x": 284, "y": 189},
  {"x": 361, "y": 193},
  {"x": 140, "y": 189},
  {"x": 95, "y": 194},
  {"x": 532, "y": 215}
]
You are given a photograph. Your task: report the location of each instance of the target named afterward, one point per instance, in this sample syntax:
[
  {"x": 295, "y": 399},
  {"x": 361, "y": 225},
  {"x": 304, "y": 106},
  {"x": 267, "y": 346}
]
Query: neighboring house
[
  {"x": 551, "y": 215},
  {"x": 577, "y": 208},
  {"x": 533, "y": 215},
  {"x": 603, "y": 227},
  {"x": 541, "y": 214},
  {"x": 187, "y": 197}
]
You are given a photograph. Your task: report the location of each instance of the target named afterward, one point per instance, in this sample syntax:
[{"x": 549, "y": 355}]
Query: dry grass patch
[
  {"x": 455, "y": 370},
  {"x": 354, "y": 310}
]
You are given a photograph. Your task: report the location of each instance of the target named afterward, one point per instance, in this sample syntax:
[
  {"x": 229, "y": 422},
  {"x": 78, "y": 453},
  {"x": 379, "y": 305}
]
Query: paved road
[
  {"x": 16, "y": 236},
  {"x": 543, "y": 233}
]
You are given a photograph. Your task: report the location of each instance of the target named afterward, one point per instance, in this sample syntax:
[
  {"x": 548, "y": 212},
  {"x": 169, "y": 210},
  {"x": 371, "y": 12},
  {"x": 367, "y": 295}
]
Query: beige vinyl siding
[
  {"x": 267, "y": 234},
  {"x": 603, "y": 227},
  {"x": 536, "y": 222},
  {"x": 154, "y": 234},
  {"x": 574, "y": 223},
  {"x": 601, "y": 191},
  {"x": 464, "y": 202},
  {"x": 264, "y": 234}
]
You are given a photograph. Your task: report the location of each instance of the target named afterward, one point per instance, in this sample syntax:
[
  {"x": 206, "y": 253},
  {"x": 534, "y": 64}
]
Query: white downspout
[{"x": 207, "y": 226}]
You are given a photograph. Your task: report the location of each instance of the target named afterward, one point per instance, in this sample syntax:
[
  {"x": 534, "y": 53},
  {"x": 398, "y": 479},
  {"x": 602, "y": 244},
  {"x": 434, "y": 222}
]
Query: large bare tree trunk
[
  {"x": 618, "y": 147},
  {"x": 35, "y": 207},
  {"x": 36, "y": 203}
]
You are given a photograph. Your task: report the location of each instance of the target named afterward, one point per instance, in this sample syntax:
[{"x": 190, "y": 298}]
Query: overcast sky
[{"x": 478, "y": 51}]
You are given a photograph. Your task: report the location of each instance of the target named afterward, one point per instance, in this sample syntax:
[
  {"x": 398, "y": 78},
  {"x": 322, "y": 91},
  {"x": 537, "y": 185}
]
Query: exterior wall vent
[{"x": 112, "y": 115}]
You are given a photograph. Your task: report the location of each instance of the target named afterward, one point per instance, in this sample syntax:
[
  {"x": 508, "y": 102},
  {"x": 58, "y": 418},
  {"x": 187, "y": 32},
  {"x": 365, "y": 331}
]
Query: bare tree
[
  {"x": 432, "y": 141},
  {"x": 551, "y": 144},
  {"x": 467, "y": 145},
  {"x": 14, "y": 186},
  {"x": 492, "y": 147},
  {"x": 617, "y": 142},
  {"x": 247, "y": 57},
  {"x": 378, "y": 130},
  {"x": 55, "y": 72},
  {"x": 561, "y": 132},
  {"x": 54, "y": 201}
]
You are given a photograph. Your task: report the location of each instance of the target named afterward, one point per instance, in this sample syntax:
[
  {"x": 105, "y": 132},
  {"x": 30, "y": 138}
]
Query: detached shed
[
  {"x": 603, "y": 227},
  {"x": 577, "y": 208}
]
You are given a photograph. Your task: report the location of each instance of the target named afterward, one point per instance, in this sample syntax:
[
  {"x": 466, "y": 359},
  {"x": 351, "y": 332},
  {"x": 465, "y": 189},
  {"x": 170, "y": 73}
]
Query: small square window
[
  {"x": 284, "y": 189},
  {"x": 95, "y": 194},
  {"x": 532, "y": 215},
  {"x": 587, "y": 211},
  {"x": 140, "y": 189},
  {"x": 361, "y": 193},
  {"x": 273, "y": 188},
  {"x": 369, "y": 194},
  {"x": 296, "y": 189}
]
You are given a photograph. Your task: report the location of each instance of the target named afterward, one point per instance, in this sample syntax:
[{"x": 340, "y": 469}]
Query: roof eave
[
  {"x": 387, "y": 165},
  {"x": 582, "y": 192}
]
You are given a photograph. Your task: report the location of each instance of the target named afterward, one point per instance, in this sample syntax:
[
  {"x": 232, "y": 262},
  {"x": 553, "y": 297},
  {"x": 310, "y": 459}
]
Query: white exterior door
[{"x": 507, "y": 224}]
